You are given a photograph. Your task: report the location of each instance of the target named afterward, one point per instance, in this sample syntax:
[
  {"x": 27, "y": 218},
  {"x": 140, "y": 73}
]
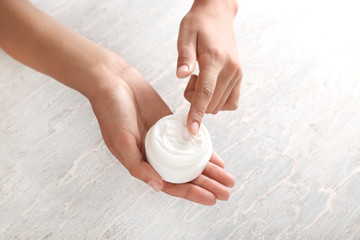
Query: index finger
[{"x": 204, "y": 89}]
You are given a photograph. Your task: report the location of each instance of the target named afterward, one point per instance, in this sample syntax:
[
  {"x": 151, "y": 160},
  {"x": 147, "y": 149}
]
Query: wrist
[
  {"x": 108, "y": 74},
  {"x": 93, "y": 74},
  {"x": 229, "y": 5}
]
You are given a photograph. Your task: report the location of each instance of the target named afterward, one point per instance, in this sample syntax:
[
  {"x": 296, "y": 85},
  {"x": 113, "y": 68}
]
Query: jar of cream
[{"x": 177, "y": 155}]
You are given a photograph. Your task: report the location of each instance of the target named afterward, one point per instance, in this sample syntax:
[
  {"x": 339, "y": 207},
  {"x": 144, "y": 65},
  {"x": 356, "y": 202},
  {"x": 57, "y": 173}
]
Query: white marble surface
[{"x": 293, "y": 145}]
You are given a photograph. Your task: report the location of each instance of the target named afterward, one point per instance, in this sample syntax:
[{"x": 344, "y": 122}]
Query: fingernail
[
  {"x": 183, "y": 69},
  {"x": 194, "y": 127},
  {"x": 155, "y": 185}
]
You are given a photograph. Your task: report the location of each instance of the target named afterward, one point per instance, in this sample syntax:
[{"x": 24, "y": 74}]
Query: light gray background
[{"x": 293, "y": 144}]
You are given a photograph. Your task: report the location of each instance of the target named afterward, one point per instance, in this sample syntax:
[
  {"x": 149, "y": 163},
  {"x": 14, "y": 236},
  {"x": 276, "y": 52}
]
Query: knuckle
[
  {"x": 130, "y": 70},
  {"x": 213, "y": 54},
  {"x": 206, "y": 91},
  {"x": 239, "y": 73},
  {"x": 234, "y": 65},
  {"x": 233, "y": 105},
  {"x": 208, "y": 110},
  {"x": 216, "y": 111},
  {"x": 184, "y": 21},
  {"x": 187, "y": 95},
  {"x": 217, "y": 54},
  {"x": 133, "y": 172},
  {"x": 198, "y": 111}
]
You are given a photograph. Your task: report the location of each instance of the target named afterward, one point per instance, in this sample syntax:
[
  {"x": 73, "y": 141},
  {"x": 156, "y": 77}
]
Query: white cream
[{"x": 174, "y": 153}]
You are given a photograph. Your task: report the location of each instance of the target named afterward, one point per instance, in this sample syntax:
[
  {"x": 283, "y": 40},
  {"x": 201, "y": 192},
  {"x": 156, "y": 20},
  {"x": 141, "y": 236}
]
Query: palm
[{"x": 125, "y": 115}]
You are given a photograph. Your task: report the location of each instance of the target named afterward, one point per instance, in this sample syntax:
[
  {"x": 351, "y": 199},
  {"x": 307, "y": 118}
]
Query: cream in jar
[{"x": 174, "y": 153}]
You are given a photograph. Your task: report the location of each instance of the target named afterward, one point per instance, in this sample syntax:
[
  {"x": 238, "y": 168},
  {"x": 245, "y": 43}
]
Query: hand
[
  {"x": 125, "y": 105},
  {"x": 207, "y": 36},
  {"x": 125, "y": 112}
]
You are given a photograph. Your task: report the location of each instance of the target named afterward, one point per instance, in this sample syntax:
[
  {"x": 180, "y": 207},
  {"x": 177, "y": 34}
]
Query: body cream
[{"x": 174, "y": 153}]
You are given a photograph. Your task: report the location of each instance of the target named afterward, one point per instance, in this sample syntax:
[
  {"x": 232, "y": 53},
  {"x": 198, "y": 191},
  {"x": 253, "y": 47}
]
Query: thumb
[
  {"x": 145, "y": 172},
  {"x": 186, "y": 52},
  {"x": 130, "y": 156}
]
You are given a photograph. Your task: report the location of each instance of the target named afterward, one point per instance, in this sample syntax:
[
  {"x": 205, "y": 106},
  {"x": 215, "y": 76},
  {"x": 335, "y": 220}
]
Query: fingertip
[
  {"x": 231, "y": 181},
  {"x": 216, "y": 111},
  {"x": 183, "y": 71},
  {"x": 216, "y": 159},
  {"x": 194, "y": 127},
  {"x": 145, "y": 172},
  {"x": 158, "y": 181},
  {"x": 194, "y": 120},
  {"x": 211, "y": 202},
  {"x": 225, "y": 196}
]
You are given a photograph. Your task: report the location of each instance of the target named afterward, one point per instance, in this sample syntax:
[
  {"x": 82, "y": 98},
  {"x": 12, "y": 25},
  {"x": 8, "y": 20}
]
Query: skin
[
  {"x": 207, "y": 36},
  {"x": 124, "y": 122},
  {"x": 121, "y": 98}
]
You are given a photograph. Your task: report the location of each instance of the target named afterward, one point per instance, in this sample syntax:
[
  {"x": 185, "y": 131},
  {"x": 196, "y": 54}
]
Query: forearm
[{"x": 42, "y": 43}]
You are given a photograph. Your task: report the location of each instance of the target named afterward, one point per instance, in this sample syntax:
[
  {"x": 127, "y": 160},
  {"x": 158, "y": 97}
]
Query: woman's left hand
[{"x": 125, "y": 111}]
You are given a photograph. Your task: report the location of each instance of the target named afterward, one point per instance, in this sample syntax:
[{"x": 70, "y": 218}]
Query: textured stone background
[{"x": 293, "y": 145}]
